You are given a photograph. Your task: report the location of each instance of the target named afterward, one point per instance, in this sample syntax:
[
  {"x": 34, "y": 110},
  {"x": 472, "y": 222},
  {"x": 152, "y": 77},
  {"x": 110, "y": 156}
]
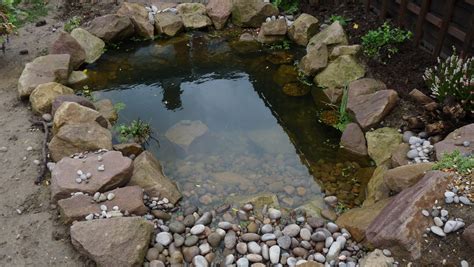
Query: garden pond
[{"x": 224, "y": 126}]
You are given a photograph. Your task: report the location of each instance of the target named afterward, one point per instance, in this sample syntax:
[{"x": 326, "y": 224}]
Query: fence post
[
  {"x": 425, "y": 5},
  {"x": 449, "y": 7}
]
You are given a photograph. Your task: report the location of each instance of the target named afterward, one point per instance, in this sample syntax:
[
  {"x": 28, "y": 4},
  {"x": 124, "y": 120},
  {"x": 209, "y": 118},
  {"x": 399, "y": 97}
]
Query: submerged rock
[
  {"x": 76, "y": 77},
  {"x": 44, "y": 94},
  {"x": 296, "y": 89},
  {"x": 44, "y": 69},
  {"x": 252, "y": 13},
  {"x": 185, "y": 132},
  {"x": 113, "y": 242},
  {"x": 111, "y": 28},
  {"x": 93, "y": 46},
  {"x": 304, "y": 27}
]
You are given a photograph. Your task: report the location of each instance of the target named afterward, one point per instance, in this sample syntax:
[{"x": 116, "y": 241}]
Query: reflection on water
[{"x": 224, "y": 125}]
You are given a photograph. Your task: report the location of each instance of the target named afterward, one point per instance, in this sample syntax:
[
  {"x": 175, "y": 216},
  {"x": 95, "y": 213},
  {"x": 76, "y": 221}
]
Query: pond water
[{"x": 224, "y": 125}]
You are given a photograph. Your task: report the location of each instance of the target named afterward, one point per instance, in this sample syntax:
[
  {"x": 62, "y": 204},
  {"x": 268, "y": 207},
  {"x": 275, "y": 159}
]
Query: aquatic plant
[
  {"x": 452, "y": 77},
  {"x": 384, "y": 41},
  {"x": 119, "y": 106},
  {"x": 137, "y": 131},
  {"x": 344, "y": 117},
  {"x": 455, "y": 161},
  {"x": 343, "y": 21}
]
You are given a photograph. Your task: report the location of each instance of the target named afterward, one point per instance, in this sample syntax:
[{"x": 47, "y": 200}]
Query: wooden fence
[{"x": 437, "y": 25}]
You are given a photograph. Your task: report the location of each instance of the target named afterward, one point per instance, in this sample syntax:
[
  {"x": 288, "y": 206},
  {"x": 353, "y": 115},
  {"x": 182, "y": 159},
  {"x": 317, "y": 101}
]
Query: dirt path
[{"x": 33, "y": 237}]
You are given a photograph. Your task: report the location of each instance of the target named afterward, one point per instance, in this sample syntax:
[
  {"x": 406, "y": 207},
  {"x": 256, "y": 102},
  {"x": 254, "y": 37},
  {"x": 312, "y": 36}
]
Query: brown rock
[
  {"x": 139, "y": 17},
  {"x": 76, "y": 138},
  {"x": 113, "y": 242},
  {"x": 377, "y": 190},
  {"x": 128, "y": 198},
  {"x": 468, "y": 235},
  {"x": 107, "y": 110},
  {"x": 168, "y": 23},
  {"x": 252, "y": 13},
  {"x": 403, "y": 177},
  {"x": 357, "y": 220},
  {"x": 44, "y": 94},
  {"x": 311, "y": 264},
  {"x": 303, "y": 28},
  {"x": 364, "y": 86},
  {"x": 371, "y": 109},
  {"x": 399, "y": 155},
  {"x": 315, "y": 60},
  {"x": 129, "y": 149},
  {"x": 454, "y": 141},
  {"x": 73, "y": 113},
  {"x": 111, "y": 28},
  {"x": 331, "y": 36},
  {"x": 66, "y": 44},
  {"x": 269, "y": 39},
  {"x": 400, "y": 225},
  {"x": 274, "y": 27},
  {"x": 45, "y": 69},
  {"x": 381, "y": 143},
  {"x": 59, "y": 100},
  {"x": 148, "y": 174},
  {"x": 329, "y": 214},
  {"x": 219, "y": 11},
  {"x": 421, "y": 98},
  {"x": 118, "y": 170},
  {"x": 353, "y": 140}
]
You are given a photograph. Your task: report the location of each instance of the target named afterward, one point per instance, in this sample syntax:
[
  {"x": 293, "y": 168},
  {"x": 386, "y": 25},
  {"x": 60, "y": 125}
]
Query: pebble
[
  {"x": 242, "y": 262},
  {"x": 284, "y": 242},
  {"x": 110, "y": 196},
  {"x": 230, "y": 239},
  {"x": 413, "y": 140},
  {"x": 448, "y": 194},
  {"x": 47, "y": 117},
  {"x": 274, "y": 254},
  {"x": 214, "y": 239},
  {"x": 197, "y": 229},
  {"x": 36, "y": 162},
  {"x": 444, "y": 213},
  {"x": 274, "y": 214},
  {"x": 103, "y": 207},
  {"x": 250, "y": 237},
  {"x": 437, "y": 221},
  {"x": 407, "y": 135},
  {"x": 464, "y": 200},
  {"x": 205, "y": 248},
  {"x": 464, "y": 263},
  {"x": 225, "y": 225},
  {"x": 412, "y": 154},
  {"x": 291, "y": 230},
  {"x": 29, "y": 148},
  {"x": 200, "y": 261},
  {"x": 164, "y": 238},
  {"x": 241, "y": 248},
  {"x": 90, "y": 217},
  {"x": 267, "y": 237},
  {"x": 319, "y": 257},
  {"x": 328, "y": 242},
  {"x": 205, "y": 219},
  {"x": 425, "y": 213},
  {"x": 191, "y": 240},
  {"x": 437, "y": 231},
  {"x": 453, "y": 226},
  {"x": 229, "y": 259},
  {"x": 332, "y": 227},
  {"x": 254, "y": 248},
  {"x": 101, "y": 168},
  {"x": 466, "y": 143},
  {"x": 266, "y": 228},
  {"x": 3, "y": 149},
  {"x": 305, "y": 234},
  {"x": 387, "y": 252},
  {"x": 449, "y": 200},
  {"x": 334, "y": 250}
]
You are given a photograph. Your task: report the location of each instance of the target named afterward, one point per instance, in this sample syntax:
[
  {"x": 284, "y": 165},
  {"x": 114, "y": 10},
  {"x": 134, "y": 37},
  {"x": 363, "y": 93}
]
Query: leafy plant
[
  {"x": 138, "y": 131},
  {"x": 452, "y": 77},
  {"x": 119, "y": 106},
  {"x": 288, "y": 6},
  {"x": 344, "y": 117},
  {"x": 87, "y": 93},
  {"x": 384, "y": 41},
  {"x": 283, "y": 45},
  {"x": 343, "y": 21},
  {"x": 341, "y": 208},
  {"x": 72, "y": 23},
  {"x": 456, "y": 161}
]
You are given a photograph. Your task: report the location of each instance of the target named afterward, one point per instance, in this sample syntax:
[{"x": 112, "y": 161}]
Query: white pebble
[
  {"x": 110, "y": 196},
  {"x": 101, "y": 168},
  {"x": 29, "y": 148},
  {"x": 103, "y": 207}
]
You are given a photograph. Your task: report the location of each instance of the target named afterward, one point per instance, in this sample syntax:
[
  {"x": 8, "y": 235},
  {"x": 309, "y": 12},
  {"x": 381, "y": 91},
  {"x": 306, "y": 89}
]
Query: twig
[{"x": 44, "y": 165}]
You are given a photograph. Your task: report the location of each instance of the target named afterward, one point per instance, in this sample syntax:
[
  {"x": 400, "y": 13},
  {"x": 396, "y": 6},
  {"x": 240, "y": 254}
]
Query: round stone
[
  {"x": 243, "y": 262},
  {"x": 438, "y": 221},
  {"x": 437, "y": 231},
  {"x": 225, "y": 225},
  {"x": 305, "y": 234},
  {"x": 200, "y": 261},
  {"x": 319, "y": 257},
  {"x": 466, "y": 144},
  {"x": 254, "y": 248},
  {"x": 177, "y": 227},
  {"x": 205, "y": 248},
  {"x": 152, "y": 254},
  {"x": 291, "y": 230},
  {"x": 412, "y": 154},
  {"x": 268, "y": 237},
  {"x": 425, "y": 213},
  {"x": 266, "y": 228},
  {"x": 164, "y": 238},
  {"x": 407, "y": 135},
  {"x": 274, "y": 254},
  {"x": 197, "y": 229},
  {"x": 332, "y": 227},
  {"x": 387, "y": 252},
  {"x": 254, "y": 257},
  {"x": 449, "y": 194},
  {"x": 214, "y": 239},
  {"x": 285, "y": 242},
  {"x": 274, "y": 214},
  {"x": 241, "y": 248},
  {"x": 191, "y": 240},
  {"x": 229, "y": 260}
]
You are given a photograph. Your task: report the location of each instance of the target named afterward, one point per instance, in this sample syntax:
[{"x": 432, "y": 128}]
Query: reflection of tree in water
[{"x": 172, "y": 94}]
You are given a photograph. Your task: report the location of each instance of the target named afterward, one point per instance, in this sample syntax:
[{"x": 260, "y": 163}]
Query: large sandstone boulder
[
  {"x": 194, "y": 15},
  {"x": 454, "y": 141},
  {"x": 76, "y": 208},
  {"x": 252, "y": 13},
  {"x": 93, "y": 46},
  {"x": 377, "y": 190},
  {"x": 73, "y": 113},
  {"x": 274, "y": 27},
  {"x": 399, "y": 155},
  {"x": 344, "y": 50},
  {"x": 400, "y": 225},
  {"x": 59, "y": 100},
  {"x": 381, "y": 143},
  {"x": 315, "y": 60},
  {"x": 304, "y": 27},
  {"x": 139, "y": 17},
  {"x": 111, "y": 28},
  {"x": 219, "y": 11},
  {"x": 353, "y": 140},
  {"x": 331, "y": 36},
  {"x": 45, "y": 69},
  {"x": 113, "y": 242},
  {"x": 66, "y": 44},
  {"x": 357, "y": 220},
  {"x": 106, "y": 108},
  {"x": 340, "y": 72},
  {"x": 76, "y": 138},
  {"x": 168, "y": 23},
  {"x": 117, "y": 172},
  {"x": 403, "y": 177},
  {"x": 44, "y": 94},
  {"x": 148, "y": 174}
]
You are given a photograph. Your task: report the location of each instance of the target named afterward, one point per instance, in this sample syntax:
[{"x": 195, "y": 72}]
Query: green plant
[
  {"x": 341, "y": 208},
  {"x": 452, "y": 77},
  {"x": 384, "y": 41},
  {"x": 87, "y": 93},
  {"x": 456, "y": 161},
  {"x": 343, "y": 21},
  {"x": 344, "y": 117},
  {"x": 138, "y": 131},
  {"x": 283, "y": 45},
  {"x": 119, "y": 106},
  {"x": 288, "y": 6},
  {"x": 72, "y": 23}
]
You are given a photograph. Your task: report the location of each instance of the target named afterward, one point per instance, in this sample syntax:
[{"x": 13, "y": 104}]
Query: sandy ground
[{"x": 34, "y": 237}]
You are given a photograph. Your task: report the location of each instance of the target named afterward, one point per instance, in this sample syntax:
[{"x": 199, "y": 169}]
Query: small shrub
[
  {"x": 288, "y": 6},
  {"x": 72, "y": 23},
  {"x": 283, "y": 45},
  {"x": 384, "y": 41},
  {"x": 457, "y": 162},
  {"x": 343, "y": 21},
  {"x": 138, "y": 131},
  {"x": 452, "y": 77}
]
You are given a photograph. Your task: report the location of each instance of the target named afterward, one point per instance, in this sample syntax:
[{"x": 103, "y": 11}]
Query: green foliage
[
  {"x": 452, "y": 77},
  {"x": 138, "y": 131},
  {"x": 344, "y": 117},
  {"x": 119, "y": 106},
  {"x": 384, "y": 41},
  {"x": 19, "y": 12},
  {"x": 288, "y": 6},
  {"x": 456, "y": 161},
  {"x": 87, "y": 93},
  {"x": 343, "y": 21},
  {"x": 283, "y": 45},
  {"x": 72, "y": 23},
  {"x": 341, "y": 208}
]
